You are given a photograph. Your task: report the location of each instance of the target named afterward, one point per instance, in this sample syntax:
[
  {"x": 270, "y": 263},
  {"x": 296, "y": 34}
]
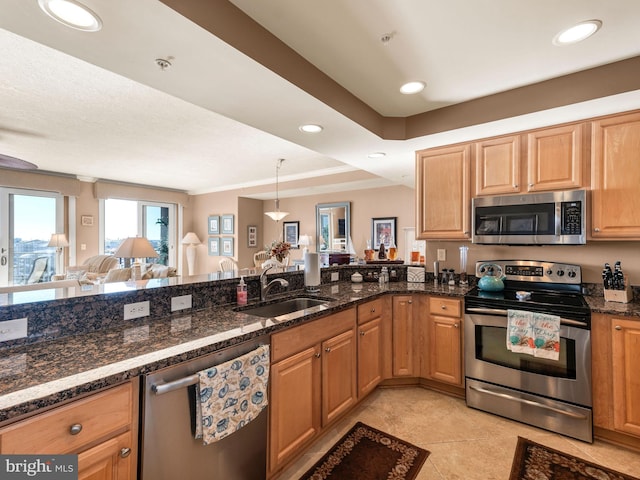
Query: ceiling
[{"x": 96, "y": 105}]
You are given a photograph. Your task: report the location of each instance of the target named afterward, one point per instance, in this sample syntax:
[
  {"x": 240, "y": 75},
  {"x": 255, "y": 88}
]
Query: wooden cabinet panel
[
  {"x": 110, "y": 460},
  {"x": 446, "y": 307},
  {"x": 615, "y": 176},
  {"x": 445, "y": 348},
  {"x": 295, "y": 404},
  {"x": 601, "y": 371},
  {"x": 497, "y": 166},
  {"x": 369, "y": 356},
  {"x": 370, "y": 310},
  {"x": 626, "y": 381},
  {"x": 338, "y": 375},
  {"x": 443, "y": 193},
  {"x": 555, "y": 158},
  {"x": 404, "y": 337}
]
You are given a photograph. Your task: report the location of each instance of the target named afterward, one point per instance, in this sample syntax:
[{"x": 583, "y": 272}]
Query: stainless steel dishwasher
[{"x": 168, "y": 447}]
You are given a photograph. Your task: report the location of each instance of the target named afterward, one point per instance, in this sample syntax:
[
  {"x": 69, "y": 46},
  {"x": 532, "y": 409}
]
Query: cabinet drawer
[
  {"x": 370, "y": 310},
  {"x": 446, "y": 307},
  {"x": 51, "y": 432}
]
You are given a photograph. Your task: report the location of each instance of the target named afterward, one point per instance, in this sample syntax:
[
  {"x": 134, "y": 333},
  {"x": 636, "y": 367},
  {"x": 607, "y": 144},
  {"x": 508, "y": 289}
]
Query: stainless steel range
[{"x": 547, "y": 393}]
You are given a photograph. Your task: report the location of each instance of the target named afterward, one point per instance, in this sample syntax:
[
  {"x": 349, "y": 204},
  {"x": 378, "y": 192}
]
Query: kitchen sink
[{"x": 291, "y": 307}]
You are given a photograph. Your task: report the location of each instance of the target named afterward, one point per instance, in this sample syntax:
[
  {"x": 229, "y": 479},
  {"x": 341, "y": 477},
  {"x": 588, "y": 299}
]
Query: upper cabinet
[
  {"x": 443, "y": 193},
  {"x": 553, "y": 159},
  {"x": 615, "y": 176}
]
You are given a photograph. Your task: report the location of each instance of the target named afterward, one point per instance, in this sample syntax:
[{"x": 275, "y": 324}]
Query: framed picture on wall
[
  {"x": 227, "y": 224},
  {"x": 383, "y": 230},
  {"x": 226, "y": 249},
  {"x": 290, "y": 233},
  {"x": 252, "y": 236},
  {"x": 214, "y": 246},
  {"x": 87, "y": 220},
  {"x": 214, "y": 225}
]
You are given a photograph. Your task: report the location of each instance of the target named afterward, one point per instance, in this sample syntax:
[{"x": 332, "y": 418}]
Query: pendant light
[{"x": 277, "y": 215}]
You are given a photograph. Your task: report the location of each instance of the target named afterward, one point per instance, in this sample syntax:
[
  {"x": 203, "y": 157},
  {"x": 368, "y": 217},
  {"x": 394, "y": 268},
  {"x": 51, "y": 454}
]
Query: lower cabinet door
[
  {"x": 295, "y": 404},
  {"x": 110, "y": 460},
  {"x": 626, "y": 387},
  {"x": 445, "y": 345},
  {"x": 338, "y": 375},
  {"x": 369, "y": 356}
]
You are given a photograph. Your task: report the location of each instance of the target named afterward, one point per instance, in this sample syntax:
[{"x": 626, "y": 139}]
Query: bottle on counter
[
  {"x": 393, "y": 251},
  {"x": 382, "y": 254},
  {"x": 383, "y": 278},
  {"x": 241, "y": 292},
  {"x": 368, "y": 253}
]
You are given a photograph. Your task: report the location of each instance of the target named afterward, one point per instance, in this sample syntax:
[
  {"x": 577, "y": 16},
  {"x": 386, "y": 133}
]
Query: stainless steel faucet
[{"x": 265, "y": 287}]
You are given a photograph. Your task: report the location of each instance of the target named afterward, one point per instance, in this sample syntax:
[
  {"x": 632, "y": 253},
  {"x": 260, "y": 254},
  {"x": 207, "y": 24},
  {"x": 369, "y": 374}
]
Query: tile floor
[{"x": 464, "y": 443}]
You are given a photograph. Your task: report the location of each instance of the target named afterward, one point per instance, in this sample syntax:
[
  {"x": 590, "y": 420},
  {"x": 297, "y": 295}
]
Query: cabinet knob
[
  {"x": 515, "y": 186},
  {"x": 373, "y": 310},
  {"x": 618, "y": 327},
  {"x": 410, "y": 302},
  {"x": 328, "y": 349},
  {"x": 531, "y": 185},
  {"x": 75, "y": 429},
  {"x": 455, "y": 325},
  {"x": 317, "y": 355},
  {"x": 362, "y": 333},
  {"x": 125, "y": 452},
  {"x": 596, "y": 229},
  {"x": 443, "y": 307}
]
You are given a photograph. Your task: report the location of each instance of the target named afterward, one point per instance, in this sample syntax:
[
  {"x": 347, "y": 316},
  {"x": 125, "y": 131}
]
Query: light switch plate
[
  {"x": 136, "y": 310},
  {"x": 13, "y": 329},
  {"x": 442, "y": 255},
  {"x": 181, "y": 302}
]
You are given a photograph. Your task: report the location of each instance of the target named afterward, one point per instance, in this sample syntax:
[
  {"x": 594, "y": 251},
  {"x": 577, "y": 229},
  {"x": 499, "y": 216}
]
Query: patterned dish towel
[
  {"x": 231, "y": 395},
  {"x": 533, "y": 333}
]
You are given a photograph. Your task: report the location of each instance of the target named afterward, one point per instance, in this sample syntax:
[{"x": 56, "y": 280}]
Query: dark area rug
[
  {"x": 533, "y": 461},
  {"x": 365, "y": 453}
]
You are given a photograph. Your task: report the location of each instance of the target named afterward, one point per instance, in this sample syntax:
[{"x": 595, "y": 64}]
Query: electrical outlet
[
  {"x": 13, "y": 329},
  {"x": 442, "y": 255},
  {"x": 136, "y": 310},
  {"x": 181, "y": 302},
  {"x": 335, "y": 276}
]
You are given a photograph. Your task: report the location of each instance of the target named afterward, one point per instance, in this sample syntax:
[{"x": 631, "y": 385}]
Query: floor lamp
[{"x": 191, "y": 240}]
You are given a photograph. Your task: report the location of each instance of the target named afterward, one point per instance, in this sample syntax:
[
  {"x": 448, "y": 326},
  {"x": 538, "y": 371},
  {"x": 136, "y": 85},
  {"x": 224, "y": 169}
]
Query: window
[
  {"x": 28, "y": 218},
  {"x": 130, "y": 218}
]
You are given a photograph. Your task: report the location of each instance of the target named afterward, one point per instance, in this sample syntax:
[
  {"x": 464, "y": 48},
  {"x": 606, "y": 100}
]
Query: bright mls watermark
[{"x": 41, "y": 467}]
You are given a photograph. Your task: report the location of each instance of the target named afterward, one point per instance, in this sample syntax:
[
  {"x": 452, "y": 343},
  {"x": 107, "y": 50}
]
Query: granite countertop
[{"x": 43, "y": 374}]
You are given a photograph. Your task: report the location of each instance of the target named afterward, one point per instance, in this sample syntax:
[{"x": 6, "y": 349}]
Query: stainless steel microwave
[{"x": 550, "y": 218}]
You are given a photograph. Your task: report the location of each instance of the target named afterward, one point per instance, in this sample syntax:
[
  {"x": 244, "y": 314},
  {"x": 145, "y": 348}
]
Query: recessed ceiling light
[
  {"x": 577, "y": 33},
  {"x": 377, "y": 155},
  {"x": 72, "y": 14},
  {"x": 412, "y": 87},
  {"x": 311, "y": 128}
]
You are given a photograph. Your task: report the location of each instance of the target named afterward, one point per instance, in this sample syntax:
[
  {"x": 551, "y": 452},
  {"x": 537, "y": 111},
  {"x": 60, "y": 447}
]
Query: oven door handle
[
  {"x": 504, "y": 313},
  {"x": 528, "y": 402}
]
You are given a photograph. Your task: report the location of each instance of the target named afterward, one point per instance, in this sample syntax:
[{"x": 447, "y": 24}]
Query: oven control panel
[{"x": 532, "y": 271}]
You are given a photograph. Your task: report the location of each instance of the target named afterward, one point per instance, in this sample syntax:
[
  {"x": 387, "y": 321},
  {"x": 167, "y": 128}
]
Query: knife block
[{"x": 620, "y": 296}]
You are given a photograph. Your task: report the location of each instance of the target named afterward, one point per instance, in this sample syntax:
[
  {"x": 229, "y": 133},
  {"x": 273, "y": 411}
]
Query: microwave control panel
[{"x": 571, "y": 218}]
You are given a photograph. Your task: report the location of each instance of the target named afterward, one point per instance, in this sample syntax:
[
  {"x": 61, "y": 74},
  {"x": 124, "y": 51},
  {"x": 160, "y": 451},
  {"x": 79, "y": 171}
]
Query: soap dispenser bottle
[{"x": 241, "y": 294}]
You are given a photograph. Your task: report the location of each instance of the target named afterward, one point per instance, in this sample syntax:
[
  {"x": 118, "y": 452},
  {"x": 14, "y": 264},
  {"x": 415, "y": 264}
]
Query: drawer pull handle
[
  {"x": 75, "y": 429},
  {"x": 125, "y": 452}
]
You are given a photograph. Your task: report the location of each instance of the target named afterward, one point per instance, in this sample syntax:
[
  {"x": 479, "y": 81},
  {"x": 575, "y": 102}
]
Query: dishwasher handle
[{"x": 161, "y": 388}]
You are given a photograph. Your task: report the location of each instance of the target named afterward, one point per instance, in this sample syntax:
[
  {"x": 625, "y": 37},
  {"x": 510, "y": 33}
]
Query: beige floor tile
[{"x": 464, "y": 443}]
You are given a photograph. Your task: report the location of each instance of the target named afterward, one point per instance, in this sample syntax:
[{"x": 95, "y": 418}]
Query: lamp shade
[
  {"x": 58, "y": 240},
  {"x": 304, "y": 240},
  {"x": 135, "y": 247},
  {"x": 191, "y": 239}
]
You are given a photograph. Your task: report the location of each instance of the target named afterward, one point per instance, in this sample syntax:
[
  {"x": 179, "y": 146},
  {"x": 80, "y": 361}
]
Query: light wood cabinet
[
  {"x": 313, "y": 381},
  {"x": 443, "y": 193},
  {"x": 370, "y": 370},
  {"x": 404, "y": 337},
  {"x": 444, "y": 335},
  {"x": 548, "y": 159},
  {"x": 497, "y": 165},
  {"x": 101, "y": 428},
  {"x": 616, "y": 388},
  {"x": 615, "y": 176}
]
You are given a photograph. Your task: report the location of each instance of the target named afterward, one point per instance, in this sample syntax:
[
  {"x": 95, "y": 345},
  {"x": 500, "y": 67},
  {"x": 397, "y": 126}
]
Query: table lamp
[
  {"x": 191, "y": 240},
  {"x": 59, "y": 241},
  {"x": 136, "y": 248}
]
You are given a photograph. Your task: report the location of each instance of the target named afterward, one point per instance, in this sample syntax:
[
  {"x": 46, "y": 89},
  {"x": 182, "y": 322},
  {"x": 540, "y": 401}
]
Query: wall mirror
[{"x": 333, "y": 226}]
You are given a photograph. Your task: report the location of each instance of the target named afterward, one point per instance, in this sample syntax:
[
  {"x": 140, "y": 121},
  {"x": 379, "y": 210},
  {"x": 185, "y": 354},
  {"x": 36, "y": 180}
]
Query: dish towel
[
  {"x": 230, "y": 395},
  {"x": 546, "y": 336},
  {"x": 533, "y": 333},
  {"x": 519, "y": 332}
]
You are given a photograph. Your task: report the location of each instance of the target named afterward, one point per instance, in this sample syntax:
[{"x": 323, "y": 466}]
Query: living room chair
[
  {"x": 38, "y": 269},
  {"x": 259, "y": 258}
]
